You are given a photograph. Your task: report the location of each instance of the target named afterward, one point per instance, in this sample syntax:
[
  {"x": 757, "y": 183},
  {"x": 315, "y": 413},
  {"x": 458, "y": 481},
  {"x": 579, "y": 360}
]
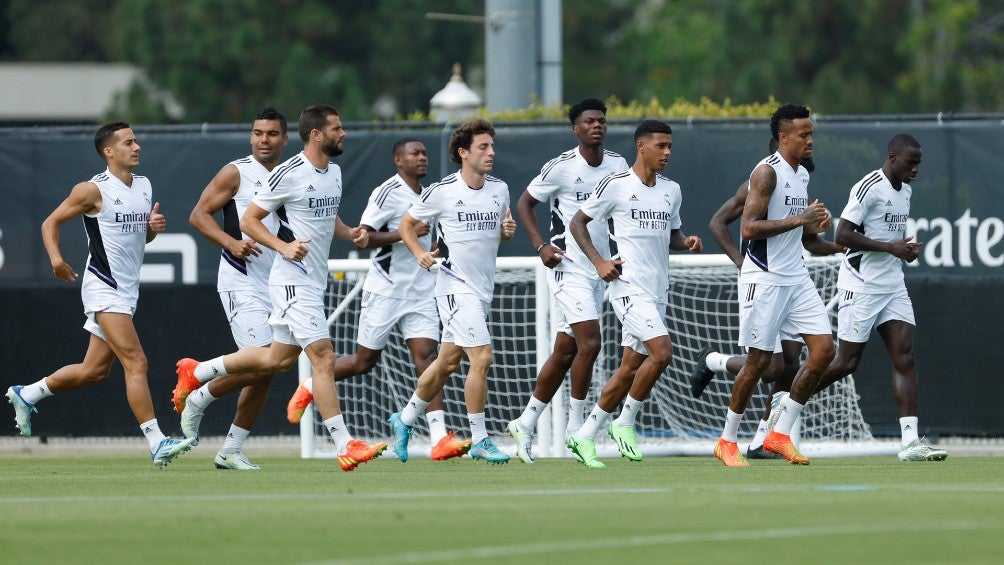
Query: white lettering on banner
[
  {"x": 939, "y": 238},
  {"x": 180, "y": 243}
]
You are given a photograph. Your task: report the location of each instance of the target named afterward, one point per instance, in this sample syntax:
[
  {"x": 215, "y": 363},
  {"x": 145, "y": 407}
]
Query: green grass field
[{"x": 120, "y": 509}]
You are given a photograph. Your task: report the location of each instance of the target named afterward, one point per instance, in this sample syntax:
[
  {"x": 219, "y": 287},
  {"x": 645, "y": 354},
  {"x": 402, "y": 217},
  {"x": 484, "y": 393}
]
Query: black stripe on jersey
[
  {"x": 773, "y": 160},
  {"x": 658, "y": 176},
  {"x": 553, "y": 162},
  {"x": 242, "y": 160},
  {"x": 756, "y": 250},
  {"x": 602, "y": 185},
  {"x": 613, "y": 243},
  {"x": 276, "y": 176},
  {"x": 100, "y": 177},
  {"x": 384, "y": 255},
  {"x": 135, "y": 176},
  {"x": 750, "y": 292},
  {"x": 290, "y": 292},
  {"x": 493, "y": 179},
  {"x": 557, "y": 226},
  {"x": 866, "y": 184},
  {"x": 444, "y": 251},
  {"x": 853, "y": 258},
  {"x": 611, "y": 153},
  {"x": 446, "y": 180},
  {"x": 558, "y": 276},
  {"x": 285, "y": 233},
  {"x": 385, "y": 192},
  {"x": 98, "y": 263}
]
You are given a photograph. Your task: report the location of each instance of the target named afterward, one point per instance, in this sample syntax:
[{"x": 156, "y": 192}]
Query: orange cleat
[
  {"x": 779, "y": 443},
  {"x": 298, "y": 404},
  {"x": 448, "y": 447},
  {"x": 358, "y": 452},
  {"x": 728, "y": 453},
  {"x": 186, "y": 383}
]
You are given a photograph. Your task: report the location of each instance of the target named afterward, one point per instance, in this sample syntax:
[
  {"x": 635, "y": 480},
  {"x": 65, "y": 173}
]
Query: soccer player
[
  {"x": 872, "y": 288},
  {"x": 471, "y": 209},
  {"x": 776, "y": 294},
  {"x": 119, "y": 221},
  {"x": 787, "y": 351},
  {"x": 242, "y": 282},
  {"x": 642, "y": 211},
  {"x": 566, "y": 181},
  {"x": 397, "y": 292},
  {"x": 304, "y": 192}
]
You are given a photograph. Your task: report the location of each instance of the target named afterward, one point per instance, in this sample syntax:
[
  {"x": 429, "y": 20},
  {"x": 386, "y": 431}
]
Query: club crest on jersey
[
  {"x": 495, "y": 200},
  {"x": 146, "y": 197}
]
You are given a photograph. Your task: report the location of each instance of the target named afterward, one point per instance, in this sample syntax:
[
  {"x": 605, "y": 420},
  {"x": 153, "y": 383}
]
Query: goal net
[{"x": 702, "y": 312}]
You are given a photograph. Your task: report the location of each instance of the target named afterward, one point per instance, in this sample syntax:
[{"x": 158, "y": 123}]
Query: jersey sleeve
[
  {"x": 675, "y": 221},
  {"x": 544, "y": 185},
  {"x": 282, "y": 192},
  {"x": 428, "y": 208},
  {"x": 379, "y": 212},
  {"x": 856, "y": 209},
  {"x": 600, "y": 203}
]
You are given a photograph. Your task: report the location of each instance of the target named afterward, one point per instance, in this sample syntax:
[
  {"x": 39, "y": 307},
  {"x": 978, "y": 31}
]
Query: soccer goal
[{"x": 702, "y": 311}]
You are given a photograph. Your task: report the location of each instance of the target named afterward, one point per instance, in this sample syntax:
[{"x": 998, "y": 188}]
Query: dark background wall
[{"x": 956, "y": 286}]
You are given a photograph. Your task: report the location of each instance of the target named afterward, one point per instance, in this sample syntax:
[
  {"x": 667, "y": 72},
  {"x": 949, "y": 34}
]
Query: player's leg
[
  {"x": 785, "y": 359},
  {"x": 621, "y": 430},
  {"x": 430, "y": 383},
  {"x": 549, "y": 380},
  {"x": 757, "y": 361},
  {"x": 444, "y": 443}
]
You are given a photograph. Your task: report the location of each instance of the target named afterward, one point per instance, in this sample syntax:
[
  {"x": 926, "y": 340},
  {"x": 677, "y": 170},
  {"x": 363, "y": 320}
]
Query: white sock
[
  {"x": 908, "y": 429},
  {"x": 336, "y": 427},
  {"x": 411, "y": 411},
  {"x": 731, "y": 431},
  {"x": 201, "y": 397},
  {"x": 776, "y": 398},
  {"x": 761, "y": 432},
  {"x": 576, "y": 412},
  {"x": 628, "y": 413},
  {"x": 593, "y": 423},
  {"x": 309, "y": 384},
  {"x": 716, "y": 361},
  {"x": 209, "y": 370},
  {"x": 437, "y": 425},
  {"x": 235, "y": 440},
  {"x": 36, "y": 391},
  {"x": 153, "y": 434},
  {"x": 478, "y": 429},
  {"x": 528, "y": 420},
  {"x": 789, "y": 413}
]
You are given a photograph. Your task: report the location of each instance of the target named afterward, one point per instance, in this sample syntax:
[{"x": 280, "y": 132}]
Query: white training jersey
[
  {"x": 469, "y": 224},
  {"x": 566, "y": 182},
  {"x": 116, "y": 237},
  {"x": 236, "y": 273},
  {"x": 777, "y": 260},
  {"x": 305, "y": 200},
  {"x": 880, "y": 211},
  {"x": 640, "y": 220},
  {"x": 394, "y": 271}
]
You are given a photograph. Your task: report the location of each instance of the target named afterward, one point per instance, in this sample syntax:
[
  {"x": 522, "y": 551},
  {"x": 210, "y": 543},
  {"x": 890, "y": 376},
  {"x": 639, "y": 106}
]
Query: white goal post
[{"x": 702, "y": 311}]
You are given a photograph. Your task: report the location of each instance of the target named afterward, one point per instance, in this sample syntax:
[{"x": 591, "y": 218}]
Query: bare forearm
[{"x": 762, "y": 229}]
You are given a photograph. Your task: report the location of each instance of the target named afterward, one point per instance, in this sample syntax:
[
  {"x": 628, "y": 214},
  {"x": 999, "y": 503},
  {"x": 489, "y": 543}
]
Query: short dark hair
[
  {"x": 399, "y": 146},
  {"x": 464, "y": 136},
  {"x": 314, "y": 117},
  {"x": 585, "y": 104},
  {"x": 270, "y": 113},
  {"x": 784, "y": 116},
  {"x": 651, "y": 127},
  {"x": 902, "y": 142},
  {"x": 105, "y": 135}
]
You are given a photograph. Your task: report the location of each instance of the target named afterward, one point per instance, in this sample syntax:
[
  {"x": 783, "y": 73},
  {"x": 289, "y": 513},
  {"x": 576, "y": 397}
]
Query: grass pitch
[{"x": 120, "y": 509}]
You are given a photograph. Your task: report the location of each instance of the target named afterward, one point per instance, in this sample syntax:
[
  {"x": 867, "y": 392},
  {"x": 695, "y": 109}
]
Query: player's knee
[
  {"x": 482, "y": 358},
  {"x": 823, "y": 355},
  {"x": 589, "y": 346}
]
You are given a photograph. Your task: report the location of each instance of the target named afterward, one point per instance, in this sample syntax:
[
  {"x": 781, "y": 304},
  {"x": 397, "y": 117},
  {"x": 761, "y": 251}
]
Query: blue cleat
[
  {"x": 22, "y": 410},
  {"x": 402, "y": 433},
  {"x": 488, "y": 451},
  {"x": 169, "y": 449}
]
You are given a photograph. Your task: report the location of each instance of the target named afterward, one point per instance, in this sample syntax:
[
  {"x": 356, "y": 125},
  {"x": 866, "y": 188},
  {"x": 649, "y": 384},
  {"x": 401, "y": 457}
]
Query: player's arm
[
  {"x": 252, "y": 225},
  {"x": 214, "y": 197},
  {"x": 356, "y": 235},
  {"x": 390, "y": 237},
  {"x": 84, "y": 198},
  {"x": 680, "y": 242},
  {"x": 408, "y": 229},
  {"x": 605, "y": 268},
  {"x": 763, "y": 181},
  {"x": 817, "y": 245},
  {"x": 729, "y": 212},
  {"x": 849, "y": 236},
  {"x": 156, "y": 224},
  {"x": 549, "y": 254}
]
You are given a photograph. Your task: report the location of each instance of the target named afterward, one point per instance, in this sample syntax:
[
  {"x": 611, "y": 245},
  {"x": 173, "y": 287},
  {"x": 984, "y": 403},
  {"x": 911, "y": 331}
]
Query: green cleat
[
  {"x": 623, "y": 436},
  {"x": 585, "y": 450}
]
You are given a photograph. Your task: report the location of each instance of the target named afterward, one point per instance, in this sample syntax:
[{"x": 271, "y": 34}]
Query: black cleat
[
  {"x": 761, "y": 453},
  {"x": 701, "y": 376}
]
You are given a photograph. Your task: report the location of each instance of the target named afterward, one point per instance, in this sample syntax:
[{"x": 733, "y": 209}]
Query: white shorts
[
  {"x": 576, "y": 298},
  {"x": 247, "y": 313},
  {"x": 298, "y": 315},
  {"x": 859, "y": 313},
  {"x": 379, "y": 315},
  {"x": 90, "y": 310},
  {"x": 465, "y": 320},
  {"x": 769, "y": 312},
  {"x": 641, "y": 320}
]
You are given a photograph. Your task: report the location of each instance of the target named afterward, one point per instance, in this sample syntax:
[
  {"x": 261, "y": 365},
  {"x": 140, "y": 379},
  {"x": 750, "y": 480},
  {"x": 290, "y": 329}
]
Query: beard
[{"x": 332, "y": 148}]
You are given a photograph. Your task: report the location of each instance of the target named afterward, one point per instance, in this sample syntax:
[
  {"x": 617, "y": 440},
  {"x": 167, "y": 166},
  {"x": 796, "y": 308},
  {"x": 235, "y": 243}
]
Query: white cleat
[
  {"x": 170, "y": 448},
  {"x": 191, "y": 418},
  {"x": 237, "y": 461},
  {"x": 524, "y": 441},
  {"x": 918, "y": 450},
  {"x": 22, "y": 410}
]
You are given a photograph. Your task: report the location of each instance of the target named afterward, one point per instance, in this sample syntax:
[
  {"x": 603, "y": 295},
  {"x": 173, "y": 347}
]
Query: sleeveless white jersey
[
  {"x": 469, "y": 224},
  {"x": 640, "y": 220},
  {"x": 566, "y": 182},
  {"x": 881, "y": 213},
  {"x": 116, "y": 238},
  {"x": 394, "y": 271},
  {"x": 236, "y": 273},
  {"x": 305, "y": 200},
  {"x": 777, "y": 260}
]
